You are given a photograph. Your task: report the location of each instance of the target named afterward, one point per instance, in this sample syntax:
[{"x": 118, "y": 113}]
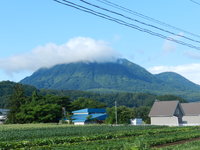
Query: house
[
  {"x": 166, "y": 113},
  {"x": 136, "y": 121},
  {"x": 191, "y": 113},
  {"x": 3, "y": 115},
  {"x": 2, "y": 118},
  {"x": 88, "y": 116}
]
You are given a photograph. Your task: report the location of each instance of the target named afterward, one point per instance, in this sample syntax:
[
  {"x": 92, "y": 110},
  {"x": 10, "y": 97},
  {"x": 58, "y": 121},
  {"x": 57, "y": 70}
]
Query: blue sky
[{"x": 35, "y": 34}]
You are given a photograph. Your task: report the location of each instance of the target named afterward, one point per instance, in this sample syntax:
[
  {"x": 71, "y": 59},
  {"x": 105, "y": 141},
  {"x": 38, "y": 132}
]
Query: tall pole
[
  {"x": 64, "y": 112},
  {"x": 116, "y": 112}
]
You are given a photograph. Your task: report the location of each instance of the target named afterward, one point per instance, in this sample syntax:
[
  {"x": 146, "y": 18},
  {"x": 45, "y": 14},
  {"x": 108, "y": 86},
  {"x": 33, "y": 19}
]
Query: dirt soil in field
[{"x": 178, "y": 142}]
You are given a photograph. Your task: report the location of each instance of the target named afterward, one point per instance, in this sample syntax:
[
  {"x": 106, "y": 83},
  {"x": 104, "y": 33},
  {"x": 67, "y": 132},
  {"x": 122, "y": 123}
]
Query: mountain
[
  {"x": 121, "y": 75},
  {"x": 178, "y": 81}
]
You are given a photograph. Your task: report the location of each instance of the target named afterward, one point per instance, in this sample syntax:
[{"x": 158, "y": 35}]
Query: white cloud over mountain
[
  {"x": 82, "y": 49},
  {"x": 190, "y": 71},
  {"x": 76, "y": 49}
]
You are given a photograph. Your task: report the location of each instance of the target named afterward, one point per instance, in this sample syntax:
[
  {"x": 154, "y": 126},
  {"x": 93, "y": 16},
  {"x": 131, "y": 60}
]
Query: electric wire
[
  {"x": 114, "y": 5},
  {"x": 99, "y": 14},
  {"x": 195, "y": 2},
  {"x": 143, "y": 23}
]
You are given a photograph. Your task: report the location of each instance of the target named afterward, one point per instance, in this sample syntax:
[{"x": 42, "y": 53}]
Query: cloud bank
[
  {"x": 75, "y": 50},
  {"x": 190, "y": 71}
]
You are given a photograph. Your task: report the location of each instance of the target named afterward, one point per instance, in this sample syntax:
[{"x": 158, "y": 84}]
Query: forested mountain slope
[{"x": 119, "y": 76}]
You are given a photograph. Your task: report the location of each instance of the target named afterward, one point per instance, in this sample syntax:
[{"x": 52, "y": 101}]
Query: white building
[
  {"x": 191, "y": 113},
  {"x": 136, "y": 121},
  {"x": 175, "y": 113},
  {"x": 3, "y": 115},
  {"x": 166, "y": 113}
]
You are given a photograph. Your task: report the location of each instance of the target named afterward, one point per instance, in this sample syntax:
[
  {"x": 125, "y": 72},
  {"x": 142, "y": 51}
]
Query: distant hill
[
  {"x": 177, "y": 81},
  {"x": 118, "y": 76}
]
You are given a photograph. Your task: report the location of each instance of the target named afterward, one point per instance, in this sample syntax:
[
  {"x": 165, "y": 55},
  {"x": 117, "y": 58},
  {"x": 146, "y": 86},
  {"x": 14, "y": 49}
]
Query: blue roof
[
  {"x": 84, "y": 117},
  {"x": 90, "y": 110},
  {"x": 4, "y": 111}
]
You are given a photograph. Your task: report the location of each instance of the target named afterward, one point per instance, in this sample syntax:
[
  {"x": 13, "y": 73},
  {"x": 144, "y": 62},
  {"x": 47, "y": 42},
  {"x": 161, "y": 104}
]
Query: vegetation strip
[
  {"x": 193, "y": 145},
  {"x": 35, "y": 136},
  {"x": 177, "y": 142}
]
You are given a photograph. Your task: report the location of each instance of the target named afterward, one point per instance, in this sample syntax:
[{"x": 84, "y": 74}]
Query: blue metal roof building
[
  {"x": 88, "y": 115},
  {"x": 90, "y": 110}
]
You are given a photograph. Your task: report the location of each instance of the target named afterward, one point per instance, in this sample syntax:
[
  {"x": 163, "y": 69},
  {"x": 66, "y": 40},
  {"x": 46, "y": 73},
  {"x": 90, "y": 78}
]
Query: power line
[
  {"x": 143, "y": 23},
  {"x": 116, "y": 112},
  {"x": 119, "y": 21},
  {"x": 114, "y": 5},
  {"x": 195, "y": 2},
  {"x": 79, "y": 7}
]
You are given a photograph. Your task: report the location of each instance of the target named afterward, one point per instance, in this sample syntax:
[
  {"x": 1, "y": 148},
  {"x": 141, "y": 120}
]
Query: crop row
[
  {"x": 127, "y": 143},
  {"x": 62, "y": 140},
  {"x": 147, "y": 141},
  {"x": 25, "y": 132},
  {"x": 144, "y": 135},
  {"x": 194, "y": 145}
]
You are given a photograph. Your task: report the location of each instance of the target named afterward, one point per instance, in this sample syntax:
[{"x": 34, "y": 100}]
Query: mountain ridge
[
  {"x": 177, "y": 80},
  {"x": 121, "y": 75}
]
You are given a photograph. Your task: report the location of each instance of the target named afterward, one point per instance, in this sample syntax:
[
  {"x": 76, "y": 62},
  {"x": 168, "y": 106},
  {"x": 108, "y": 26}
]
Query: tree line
[{"x": 46, "y": 108}]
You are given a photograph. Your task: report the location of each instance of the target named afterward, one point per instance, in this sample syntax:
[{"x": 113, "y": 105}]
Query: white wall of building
[
  {"x": 136, "y": 121},
  {"x": 190, "y": 120},
  {"x": 79, "y": 123},
  {"x": 171, "y": 121},
  {"x": 81, "y": 113}
]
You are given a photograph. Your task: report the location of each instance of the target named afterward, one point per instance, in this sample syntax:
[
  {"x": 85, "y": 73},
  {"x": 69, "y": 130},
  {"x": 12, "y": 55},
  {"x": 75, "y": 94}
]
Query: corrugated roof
[
  {"x": 163, "y": 108},
  {"x": 4, "y": 111},
  {"x": 90, "y": 110},
  {"x": 192, "y": 109},
  {"x": 84, "y": 117}
]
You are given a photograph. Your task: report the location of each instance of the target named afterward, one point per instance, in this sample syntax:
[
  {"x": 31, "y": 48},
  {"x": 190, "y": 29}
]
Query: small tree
[
  {"x": 69, "y": 117},
  {"x": 16, "y": 100},
  {"x": 142, "y": 112},
  {"x": 124, "y": 114}
]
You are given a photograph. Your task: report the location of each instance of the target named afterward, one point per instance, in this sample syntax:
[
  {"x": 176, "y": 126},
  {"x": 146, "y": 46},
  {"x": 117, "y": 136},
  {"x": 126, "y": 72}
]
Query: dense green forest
[
  {"x": 38, "y": 108},
  {"x": 7, "y": 89},
  {"x": 47, "y": 105},
  {"x": 122, "y": 98}
]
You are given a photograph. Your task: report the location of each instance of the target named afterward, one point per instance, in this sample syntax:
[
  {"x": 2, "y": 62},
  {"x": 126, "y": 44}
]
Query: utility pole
[
  {"x": 116, "y": 112},
  {"x": 63, "y": 112}
]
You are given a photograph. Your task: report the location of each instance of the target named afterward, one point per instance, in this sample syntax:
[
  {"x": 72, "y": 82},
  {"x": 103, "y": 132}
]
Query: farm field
[
  {"x": 96, "y": 137},
  {"x": 195, "y": 145}
]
